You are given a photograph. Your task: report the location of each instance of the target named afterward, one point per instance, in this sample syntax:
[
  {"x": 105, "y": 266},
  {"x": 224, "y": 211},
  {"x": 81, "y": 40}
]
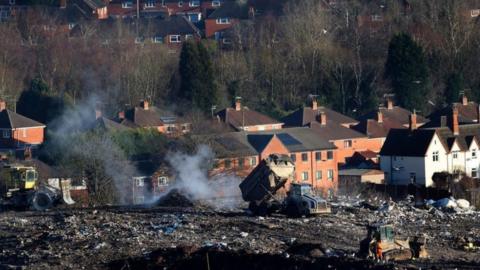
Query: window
[
  {"x": 318, "y": 175},
  {"x": 158, "y": 40},
  {"x": 435, "y": 156},
  {"x": 293, "y": 157},
  {"x": 6, "y": 134},
  {"x": 347, "y": 143},
  {"x": 253, "y": 161},
  {"x": 24, "y": 133},
  {"x": 162, "y": 181},
  {"x": 474, "y": 172},
  {"x": 71, "y": 26},
  {"x": 377, "y": 18},
  {"x": 223, "y": 21},
  {"x": 473, "y": 13},
  {"x": 329, "y": 155},
  {"x": 139, "y": 182},
  {"x": 304, "y": 176},
  {"x": 318, "y": 156},
  {"x": 304, "y": 157},
  {"x": 228, "y": 163},
  {"x": 175, "y": 39},
  {"x": 455, "y": 154},
  {"x": 216, "y": 3},
  {"x": 194, "y": 3},
  {"x": 150, "y": 4},
  {"x": 413, "y": 177},
  {"x": 474, "y": 153},
  {"x": 330, "y": 175},
  {"x": 194, "y": 17},
  {"x": 188, "y": 36},
  {"x": 139, "y": 40},
  {"x": 180, "y": 3},
  {"x": 241, "y": 163},
  {"x": 127, "y": 4}
]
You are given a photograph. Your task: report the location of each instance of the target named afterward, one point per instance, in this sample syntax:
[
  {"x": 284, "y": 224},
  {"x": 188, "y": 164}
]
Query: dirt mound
[{"x": 175, "y": 198}]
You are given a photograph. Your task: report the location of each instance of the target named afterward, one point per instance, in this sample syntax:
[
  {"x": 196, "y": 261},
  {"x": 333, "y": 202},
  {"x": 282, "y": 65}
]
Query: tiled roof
[
  {"x": 230, "y": 9},
  {"x": 334, "y": 131},
  {"x": 374, "y": 129},
  {"x": 245, "y": 117},
  {"x": 173, "y": 25},
  {"x": 397, "y": 115},
  {"x": 108, "y": 124},
  {"x": 467, "y": 133},
  {"x": 306, "y": 115},
  {"x": 9, "y": 119},
  {"x": 403, "y": 142},
  {"x": 467, "y": 114}
]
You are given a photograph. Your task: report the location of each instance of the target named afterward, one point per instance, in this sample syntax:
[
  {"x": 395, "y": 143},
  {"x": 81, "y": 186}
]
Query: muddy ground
[{"x": 201, "y": 238}]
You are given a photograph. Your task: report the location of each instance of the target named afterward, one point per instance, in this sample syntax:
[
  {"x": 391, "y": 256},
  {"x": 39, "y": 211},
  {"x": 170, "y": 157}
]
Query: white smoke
[{"x": 192, "y": 179}]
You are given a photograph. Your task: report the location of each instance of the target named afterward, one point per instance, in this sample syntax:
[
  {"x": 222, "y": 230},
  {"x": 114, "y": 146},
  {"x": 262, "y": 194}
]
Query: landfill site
[{"x": 265, "y": 230}]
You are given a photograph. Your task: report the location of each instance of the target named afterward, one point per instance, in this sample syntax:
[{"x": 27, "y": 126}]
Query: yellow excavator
[
  {"x": 20, "y": 189},
  {"x": 382, "y": 244}
]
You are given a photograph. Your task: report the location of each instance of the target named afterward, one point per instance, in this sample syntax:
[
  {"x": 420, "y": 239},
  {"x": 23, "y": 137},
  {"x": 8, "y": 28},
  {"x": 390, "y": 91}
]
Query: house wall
[
  {"x": 262, "y": 127},
  {"x": 249, "y": 163},
  {"x": 358, "y": 144},
  {"x": 456, "y": 164},
  {"x": 405, "y": 165},
  {"x": 471, "y": 159},
  {"x": 211, "y": 26},
  {"x": 19, "y": 137},
  {"x": 432, "y": 166}
]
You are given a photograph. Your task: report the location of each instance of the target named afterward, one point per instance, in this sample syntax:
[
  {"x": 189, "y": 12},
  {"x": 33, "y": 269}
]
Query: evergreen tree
[
  {"x": 406, "y": 68},
  {"x": 454, "y": 85},
  {"x": 198, "y": 84}
]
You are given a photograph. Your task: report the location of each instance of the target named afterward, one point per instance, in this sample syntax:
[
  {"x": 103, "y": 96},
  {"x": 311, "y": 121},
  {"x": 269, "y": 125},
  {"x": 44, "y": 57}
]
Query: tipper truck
[{"x": 271, "y": 174}]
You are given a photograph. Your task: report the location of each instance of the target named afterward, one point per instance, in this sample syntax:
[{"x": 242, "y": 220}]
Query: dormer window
[
  {"x": 194, "y": 3},
  {"x": 216, "y": 3},
  {"x": 150, "y": 4},
  {"x": 127, "y": 4},
  {"x": 223, "y": 21}
]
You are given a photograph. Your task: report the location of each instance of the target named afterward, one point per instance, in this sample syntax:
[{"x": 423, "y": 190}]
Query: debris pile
[{"x": 174, "y": 198}]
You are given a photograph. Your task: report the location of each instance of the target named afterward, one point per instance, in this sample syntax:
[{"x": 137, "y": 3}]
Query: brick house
[
  {"x": 146, "y": 116},
  {"x": 225, "y": 17},
  {"x": 242, "y": 118},
  {"x": 468, "y": 113},
  {"x": 17, "y": 131},
  {"x": 172, "y": 31}
]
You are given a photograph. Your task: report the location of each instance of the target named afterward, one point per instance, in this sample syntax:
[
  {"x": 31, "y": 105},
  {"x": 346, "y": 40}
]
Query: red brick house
[
  {"x": 468, "y": 113},
  {"x": 17, "y": 131},
  {"x": 242, "y": 118},
  {"x": 225, "y": 17}
]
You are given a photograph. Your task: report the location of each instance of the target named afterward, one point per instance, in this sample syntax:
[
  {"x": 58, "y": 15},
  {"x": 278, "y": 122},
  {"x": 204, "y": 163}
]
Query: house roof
[
  {"x": 233, "y": 144},
  {"x": 245, "y": 117},
  {"x": 230, "y": 9},
  {"x": 9, "y": 120},
  {"x": 396, "y": 114},
  {"x": 467, "y": 134},
  {"x": 173, "y": 25},
  {"x": 373, "y": 129},
  {"x": 334, "y": 131},
  {"x": 404, "y": 142},
  {"x": 306, "y": 115},
  {"x": 467, "y": 114},
  {"x": 111, "y": 125}
]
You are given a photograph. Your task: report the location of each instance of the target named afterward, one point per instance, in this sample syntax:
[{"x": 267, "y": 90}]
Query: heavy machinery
[
  {"x": 381, "y": 243},
  {"x": 271, "y": 174},
  {"x": 20, "y": 188}
]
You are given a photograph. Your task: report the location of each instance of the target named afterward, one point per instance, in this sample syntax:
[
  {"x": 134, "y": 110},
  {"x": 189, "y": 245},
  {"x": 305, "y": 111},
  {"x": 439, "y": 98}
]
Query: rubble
[
  {"x": 111, "y": 238},
  {"x": 174, "y": 198}
]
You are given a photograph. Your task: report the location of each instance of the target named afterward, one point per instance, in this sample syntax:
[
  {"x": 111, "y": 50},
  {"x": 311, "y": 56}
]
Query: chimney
[
  {"x": 464, "y": 100},
  {"x": 443, "y": 121},
  {"x": 413, "y": 121},
  {"x": 238, "y": 103},
  {"x": 144, "y": 104},
  {"x": 389, "y": 103},
  {"x": 478, "y": 113},
  {"x": 98, "y": 113},
  {"x": 314, "y": 104},
  {"x": 455, "y": 128},
  {"x": 322, "y": 118},
  {"x": 379, "y": 116},
  {"x": 121, "y": 115},
  {"x": 3, "y": 105},
  {"x": 63, "y": 3}
]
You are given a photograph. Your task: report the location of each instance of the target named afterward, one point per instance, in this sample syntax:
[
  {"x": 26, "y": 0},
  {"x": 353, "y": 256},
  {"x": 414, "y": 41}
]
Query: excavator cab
[{"x": 383, "y": 233}]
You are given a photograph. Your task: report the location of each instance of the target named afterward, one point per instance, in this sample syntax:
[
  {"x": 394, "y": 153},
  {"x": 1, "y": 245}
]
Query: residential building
[
  {"x": 224, "y": 17},
  {"x": 352, "y": 180},
  {"x": 19, "y": 132},
  {"x": 241, "y": 118},
  {"x": 468, "y": 113},
  {"x": 146, "y": 116},
  {"x": 414, "y": 156}
]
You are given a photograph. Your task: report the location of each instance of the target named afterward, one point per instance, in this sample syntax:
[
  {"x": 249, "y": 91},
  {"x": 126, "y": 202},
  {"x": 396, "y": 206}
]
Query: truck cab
[{"x": 301, "y": 201}]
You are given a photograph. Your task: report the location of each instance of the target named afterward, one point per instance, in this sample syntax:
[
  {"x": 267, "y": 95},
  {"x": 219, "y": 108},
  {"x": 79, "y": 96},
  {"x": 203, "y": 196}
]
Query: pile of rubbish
[{"x": 174, "y": 198}]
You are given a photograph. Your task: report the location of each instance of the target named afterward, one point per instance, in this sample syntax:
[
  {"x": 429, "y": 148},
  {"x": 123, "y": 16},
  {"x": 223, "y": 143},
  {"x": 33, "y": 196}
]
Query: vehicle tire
[
  {"x": 292, "y": 210},
  {"x": 42, "y": 201}
]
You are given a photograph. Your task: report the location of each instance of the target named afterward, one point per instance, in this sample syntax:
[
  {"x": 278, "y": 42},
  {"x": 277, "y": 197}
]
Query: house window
[
  {"x": 150, "y": 4},
  {"x": 6, "y": 134},
  {"x": 377, "y": 18},
  {"x": 127, "y": 4},
  {"x": 253, "y": 161},
  {"x": 194, "y": 3},
  {"x": 329, "y": 155},
  {"x": 474, "y": 172},
  {"x": 241, "y": 163},
  {"x": 188, "y": 36},
  {"x": 318, "y": 175},
  {"x": 473, "y": 13},
  {"x": 293, "y": 157},
  {"x": 162, "y": 181},
  {"x": 347, "y": 144},
  {"x": 455, "y": 154},
  {"x": 474, "y": 153},
  {"x": 175, "y": 39},
  {"x": 413, "y": 177},
  {"x": 228, "y": 163},
  {"x": 304, "y": 157},
  {"x": 139, "y": 182},
  {"x": 318, "y": 156},
  {"x": 194, "y": 17},
  {"x": 330, "y": 175},
  {"x": 180, "y": 3},
  {"x": 304, "y": 176},
  {"x": 223, "y": 21},
  {"x": 216, "y": 3},
  {"x": 435, "y": 156},
  {"x": 158, "y": 40}
]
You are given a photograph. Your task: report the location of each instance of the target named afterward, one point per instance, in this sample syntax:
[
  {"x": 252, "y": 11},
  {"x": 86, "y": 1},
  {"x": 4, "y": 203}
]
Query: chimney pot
[
  {"x": 464, "y": 100},
  {"x": 238, "y": 103},
  {"x": 322, "y": 118},
  {"x": 389, "y": 103},
  {"x": 379, "y": 116},
  {"x": 314, "y": 104},
  {"x": 455, "y": 128},
  {"x": 121, "y": 115},
  {"x": 144, "y": 104},
  {"x": 413, "y": 121},
  {"x": 3, "y": 105}
]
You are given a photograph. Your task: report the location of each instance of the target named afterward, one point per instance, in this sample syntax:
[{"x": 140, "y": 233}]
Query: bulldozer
[
  {"x": 272, "y": 173},
  {"x": 381, "y": 239},
  {"x": 21, "y": 189}
]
